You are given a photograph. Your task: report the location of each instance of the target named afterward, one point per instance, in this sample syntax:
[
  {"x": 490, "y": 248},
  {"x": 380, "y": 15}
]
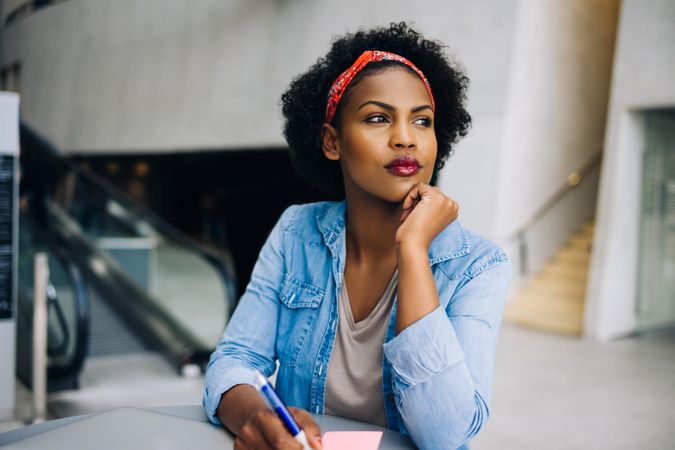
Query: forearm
[
  {"x": 417, "y": 293},
  {"x": 438, "y": 399},
  {"x": 443, "y": 363},
  {"x": 237, "y": 405},
  {"x": 456, "y": 414}
]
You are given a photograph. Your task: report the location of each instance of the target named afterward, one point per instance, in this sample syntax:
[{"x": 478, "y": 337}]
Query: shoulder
[
  {"x": 462, "y": 253},
  {"x": 303, "y": 221},
  {"x": 305, "y": 212},
  {"x": 484, "y": 255}
]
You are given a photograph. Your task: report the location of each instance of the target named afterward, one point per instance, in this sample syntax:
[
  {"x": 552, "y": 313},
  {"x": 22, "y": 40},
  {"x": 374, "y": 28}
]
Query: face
[{"x": 386, "y": 142}]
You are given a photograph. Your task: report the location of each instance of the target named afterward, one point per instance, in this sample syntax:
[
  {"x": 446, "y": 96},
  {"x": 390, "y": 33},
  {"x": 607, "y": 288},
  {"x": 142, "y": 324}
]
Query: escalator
[
  {"x": 137, "y": 272},
  {"x": 68, "y": 310}
]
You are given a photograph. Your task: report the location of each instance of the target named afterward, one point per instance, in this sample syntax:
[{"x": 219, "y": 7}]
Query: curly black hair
[{"x": 304, "y": 102}]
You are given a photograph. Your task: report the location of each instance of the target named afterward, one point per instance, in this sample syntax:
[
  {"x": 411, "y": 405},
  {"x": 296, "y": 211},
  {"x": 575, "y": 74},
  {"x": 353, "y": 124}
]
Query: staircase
[{"x": 553, "y": 300}]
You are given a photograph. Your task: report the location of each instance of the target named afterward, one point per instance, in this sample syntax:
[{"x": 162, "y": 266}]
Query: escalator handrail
[
  {"x": 54, "y": 304},
  {"x": 220, "y": 261},
  {"x": 152, "y": 323},
  {"x": 81, "y": 296}
]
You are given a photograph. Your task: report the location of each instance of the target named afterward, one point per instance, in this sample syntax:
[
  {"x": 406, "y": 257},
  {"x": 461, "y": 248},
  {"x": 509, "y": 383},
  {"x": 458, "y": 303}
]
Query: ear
[{"x": 329, "y": 142}]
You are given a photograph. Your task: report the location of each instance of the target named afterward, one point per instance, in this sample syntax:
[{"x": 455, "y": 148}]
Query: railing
[
  {"x": 68, "y": 309},
  {"x": 574, "y": 180},
  {"x": 27, "y": 8},
  {"x": 219, "y": 260},
  {"x": 175, "y": 293}
]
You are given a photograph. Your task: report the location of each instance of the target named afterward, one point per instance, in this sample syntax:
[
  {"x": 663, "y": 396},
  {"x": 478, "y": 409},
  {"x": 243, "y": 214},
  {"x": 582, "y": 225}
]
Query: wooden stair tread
[
  {"x": 555, "y": 325},
  {"x": 554, "y": 300}
]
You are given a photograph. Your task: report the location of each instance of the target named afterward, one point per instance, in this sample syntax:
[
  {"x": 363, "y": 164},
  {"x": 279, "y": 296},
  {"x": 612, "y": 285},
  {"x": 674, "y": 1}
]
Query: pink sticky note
[{"x": 351, "y": 440}]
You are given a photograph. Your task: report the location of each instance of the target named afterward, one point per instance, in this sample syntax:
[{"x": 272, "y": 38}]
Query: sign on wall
[{"x": 8, "y": 201}]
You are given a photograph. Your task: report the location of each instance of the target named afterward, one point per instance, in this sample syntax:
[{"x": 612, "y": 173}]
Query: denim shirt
[{"x": 436, "y": 373}]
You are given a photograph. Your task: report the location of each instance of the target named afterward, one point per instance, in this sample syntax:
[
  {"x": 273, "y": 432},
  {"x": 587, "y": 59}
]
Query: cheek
[
  {"x": 357, "y": 152},
  {"x": 432, "y": 145},
  {"x": 433, "y": 154}
]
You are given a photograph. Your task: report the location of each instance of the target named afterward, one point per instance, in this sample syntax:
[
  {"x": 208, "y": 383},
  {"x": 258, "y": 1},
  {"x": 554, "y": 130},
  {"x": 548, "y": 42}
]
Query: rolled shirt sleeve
[
  {"x": 221, "y": 379},
  {"x": 248, "y": 343},
  {"x": 423, "y": 349},
  {"x": 442, "y": 364}
]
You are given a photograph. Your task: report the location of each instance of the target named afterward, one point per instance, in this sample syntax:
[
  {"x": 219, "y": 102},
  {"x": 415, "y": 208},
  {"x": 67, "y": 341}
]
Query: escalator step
[{"x": 108, "y": 334}]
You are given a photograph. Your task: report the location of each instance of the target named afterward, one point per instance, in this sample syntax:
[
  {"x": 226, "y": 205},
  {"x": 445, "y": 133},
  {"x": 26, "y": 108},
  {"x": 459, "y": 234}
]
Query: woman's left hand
[{"x": 426, "y": 212}]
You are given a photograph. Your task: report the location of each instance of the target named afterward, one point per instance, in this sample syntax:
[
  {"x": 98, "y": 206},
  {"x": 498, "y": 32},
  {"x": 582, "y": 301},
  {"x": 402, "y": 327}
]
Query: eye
[
  {"x": 377, "y": 118},
  {"x": 424, "y": 121}
]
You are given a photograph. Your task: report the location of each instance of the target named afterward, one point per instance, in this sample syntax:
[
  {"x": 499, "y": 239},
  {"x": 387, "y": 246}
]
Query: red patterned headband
[{"x": 340, "y": 84}]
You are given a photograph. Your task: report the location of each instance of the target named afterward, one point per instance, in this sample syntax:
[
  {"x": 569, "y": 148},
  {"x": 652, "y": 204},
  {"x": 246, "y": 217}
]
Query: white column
[{"x": 9, "y": 152}]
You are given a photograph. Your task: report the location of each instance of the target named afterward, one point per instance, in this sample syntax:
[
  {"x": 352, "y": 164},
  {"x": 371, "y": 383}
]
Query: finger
[
  {"x": 412, "y": 195},
  {"x": 240, "y": 444},
  {"x": 411, "y": 200},
  {"x": 455, "y": 207},
  {"x": 274, "y": 433},
  {"x": 306, "y": 422},
  {"x": 406, "y": 212},
  {"x": 425, "y": 190},
  {"x": 316, "y": 443},
  {"x": 428, "y": 191},
  {"x": 250, "y": 437}
]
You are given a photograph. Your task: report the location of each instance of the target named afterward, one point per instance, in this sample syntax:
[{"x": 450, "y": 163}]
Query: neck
[{"x": 371, "y": 228}]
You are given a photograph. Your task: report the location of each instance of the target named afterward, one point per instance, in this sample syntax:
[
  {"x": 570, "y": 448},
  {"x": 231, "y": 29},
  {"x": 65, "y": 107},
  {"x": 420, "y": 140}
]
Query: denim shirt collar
[{"x": 451, "y": 243}]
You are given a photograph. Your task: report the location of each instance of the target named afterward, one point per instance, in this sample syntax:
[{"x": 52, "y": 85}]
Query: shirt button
[{"x": 391, "y": 398}]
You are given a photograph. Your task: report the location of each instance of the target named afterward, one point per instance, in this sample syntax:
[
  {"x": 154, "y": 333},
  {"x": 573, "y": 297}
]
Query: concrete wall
[
  {"x": 7, "y": 6},
  {"x": 167, "y": 75},
  {"x": 163, "y": 75},
  {"x": 642, "y": 80},
  {"x": 554, "y": 118}
]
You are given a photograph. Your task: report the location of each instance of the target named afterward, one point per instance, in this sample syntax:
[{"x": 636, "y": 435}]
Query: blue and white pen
[{"x": 274, "y": 402}]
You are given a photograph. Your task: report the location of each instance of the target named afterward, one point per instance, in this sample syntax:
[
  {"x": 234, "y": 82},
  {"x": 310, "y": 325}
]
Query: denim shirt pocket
[{"x": 299, "y": 309}]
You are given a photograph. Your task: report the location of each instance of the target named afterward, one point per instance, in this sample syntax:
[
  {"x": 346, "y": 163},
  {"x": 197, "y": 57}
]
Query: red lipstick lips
[{"x": 403, "y": 166}]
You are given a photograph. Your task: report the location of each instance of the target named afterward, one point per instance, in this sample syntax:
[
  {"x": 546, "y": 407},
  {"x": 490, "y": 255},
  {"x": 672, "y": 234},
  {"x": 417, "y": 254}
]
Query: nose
[{"x": 402, "y": 137}]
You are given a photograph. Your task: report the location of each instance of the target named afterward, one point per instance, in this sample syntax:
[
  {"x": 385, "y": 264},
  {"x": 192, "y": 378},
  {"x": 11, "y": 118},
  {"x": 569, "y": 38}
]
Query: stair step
[
  {"x": 554, "y": 300},
  {"x": 571, "y": 254},
  {"x": 550, "y": 305},
  {"x": 565, "y": 270},
  {"x": 544, "y": 322},
  {"x": 580, "y": 242},
  {"x": 588, "y": 228},
  {"x": 556, "y": 285}
]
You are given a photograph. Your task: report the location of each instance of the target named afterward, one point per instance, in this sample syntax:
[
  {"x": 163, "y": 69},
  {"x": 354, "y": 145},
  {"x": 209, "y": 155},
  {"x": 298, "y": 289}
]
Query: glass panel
[
  {"x": 62, "y": 304},
  {"x": 656, "y": 281},
  {"x": 178, "y": 279}
]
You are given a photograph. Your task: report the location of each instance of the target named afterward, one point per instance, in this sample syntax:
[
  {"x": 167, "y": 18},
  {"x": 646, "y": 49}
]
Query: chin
[{"x": 398, "y": 194}]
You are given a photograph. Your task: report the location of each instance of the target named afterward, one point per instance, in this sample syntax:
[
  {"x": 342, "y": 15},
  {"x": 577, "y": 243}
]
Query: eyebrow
[{"x": 389, "y": 107}]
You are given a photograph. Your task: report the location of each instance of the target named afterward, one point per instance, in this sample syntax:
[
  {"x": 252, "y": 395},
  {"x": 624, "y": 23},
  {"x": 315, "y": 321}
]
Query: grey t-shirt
[{"x": 354, "y": 379}]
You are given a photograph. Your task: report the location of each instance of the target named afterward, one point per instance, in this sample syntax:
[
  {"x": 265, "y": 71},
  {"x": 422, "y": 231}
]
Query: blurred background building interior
[{"x": 152, "y": 167}]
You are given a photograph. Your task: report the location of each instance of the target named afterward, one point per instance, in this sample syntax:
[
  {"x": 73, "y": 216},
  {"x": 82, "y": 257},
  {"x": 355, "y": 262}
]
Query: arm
[
  {"x": 238, "y": 405},
  {"x": 426, "y": 212},
  {"x": 442, "y": 359},
  {"x": 417, "y": 295},
  {"x": 246, "y": 415},
  {"x": 443, "y": 363},
  {"x": 248, "y": 344}
]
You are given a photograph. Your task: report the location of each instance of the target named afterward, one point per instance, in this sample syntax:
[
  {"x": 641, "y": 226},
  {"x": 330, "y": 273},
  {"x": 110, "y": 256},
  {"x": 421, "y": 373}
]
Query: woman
[{"x": 380, "y": 308}]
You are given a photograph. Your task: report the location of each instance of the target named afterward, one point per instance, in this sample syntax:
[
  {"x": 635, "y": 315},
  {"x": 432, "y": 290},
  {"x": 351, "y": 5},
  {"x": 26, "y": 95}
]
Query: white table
[{"x": 391, "y": 440}]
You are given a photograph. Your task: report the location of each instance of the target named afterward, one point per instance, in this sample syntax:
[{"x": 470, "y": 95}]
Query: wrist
[{"x": 406, "y": 248}]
